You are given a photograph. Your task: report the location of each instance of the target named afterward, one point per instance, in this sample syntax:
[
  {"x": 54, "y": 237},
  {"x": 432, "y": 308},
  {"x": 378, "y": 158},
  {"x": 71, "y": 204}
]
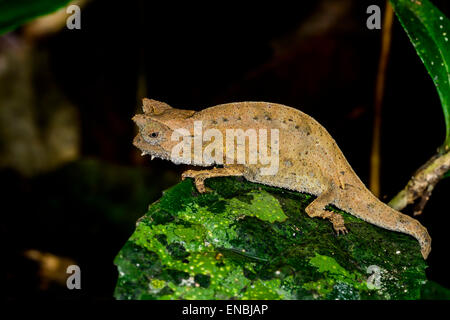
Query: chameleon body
[{"x": 309, "y": 160}]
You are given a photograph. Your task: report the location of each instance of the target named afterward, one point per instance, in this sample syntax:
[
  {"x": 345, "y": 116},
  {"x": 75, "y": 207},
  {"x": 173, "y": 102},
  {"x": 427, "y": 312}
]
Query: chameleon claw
[
  {"x": 341, "y": 230},
  {"x": 199, "y": 179},
  {"x": 202, "y": 188},
  {"x": 338, "y": 224},
  {"x": 200, "y": 183}
]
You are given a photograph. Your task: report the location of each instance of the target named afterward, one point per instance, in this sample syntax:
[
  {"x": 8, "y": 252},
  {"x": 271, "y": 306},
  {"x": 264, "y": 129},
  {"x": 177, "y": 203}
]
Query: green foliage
[
  {"x": 14, "y": 13},
  {"x": 250, "y": 241},
  {"x": 429, "y": 31}
]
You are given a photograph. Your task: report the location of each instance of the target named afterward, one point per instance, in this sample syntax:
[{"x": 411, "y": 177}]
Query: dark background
[{"x": 317, "y": 56}]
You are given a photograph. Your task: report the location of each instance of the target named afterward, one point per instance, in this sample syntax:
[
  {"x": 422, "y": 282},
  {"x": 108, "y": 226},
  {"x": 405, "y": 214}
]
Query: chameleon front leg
[
  {"x": 317, "y": 209},
  {"x": 200, "y": 176}
]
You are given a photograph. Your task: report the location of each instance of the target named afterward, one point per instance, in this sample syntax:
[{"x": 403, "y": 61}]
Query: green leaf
[
  {"x": 429, "y": 31},
  {"x": 14, "y": 13},
  {"x": 231, "y": 244}
]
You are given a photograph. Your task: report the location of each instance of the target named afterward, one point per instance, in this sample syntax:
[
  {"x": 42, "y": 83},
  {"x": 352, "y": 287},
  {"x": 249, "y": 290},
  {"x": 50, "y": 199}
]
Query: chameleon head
[{"x": 156, "y": 126}]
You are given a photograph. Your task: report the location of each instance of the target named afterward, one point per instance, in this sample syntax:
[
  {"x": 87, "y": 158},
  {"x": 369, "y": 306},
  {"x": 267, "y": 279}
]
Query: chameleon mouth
[{"x": 152, "y": 150}]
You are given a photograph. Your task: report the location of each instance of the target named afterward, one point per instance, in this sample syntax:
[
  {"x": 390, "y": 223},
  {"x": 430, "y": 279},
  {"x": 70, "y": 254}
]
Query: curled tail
[{"x": 363, "y": 204}]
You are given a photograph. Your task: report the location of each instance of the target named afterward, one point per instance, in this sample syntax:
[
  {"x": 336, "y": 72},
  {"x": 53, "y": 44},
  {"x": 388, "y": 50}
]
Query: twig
[{"x": 422, "y": 183}]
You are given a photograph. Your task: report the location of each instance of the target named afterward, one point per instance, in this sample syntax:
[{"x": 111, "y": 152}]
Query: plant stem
[
  {"x": 379, "y": 94},
  {"x": 422, "y": 183}
]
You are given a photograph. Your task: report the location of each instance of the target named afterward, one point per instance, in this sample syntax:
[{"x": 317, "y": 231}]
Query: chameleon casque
[{"x": 309, "y": 160}]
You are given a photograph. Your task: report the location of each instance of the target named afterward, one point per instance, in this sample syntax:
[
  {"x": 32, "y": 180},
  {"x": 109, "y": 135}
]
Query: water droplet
[{"x": 441, "y": 18}]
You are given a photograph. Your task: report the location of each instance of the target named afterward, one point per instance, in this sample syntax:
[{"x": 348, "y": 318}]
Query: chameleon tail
[{"x": 369, "y": 208}]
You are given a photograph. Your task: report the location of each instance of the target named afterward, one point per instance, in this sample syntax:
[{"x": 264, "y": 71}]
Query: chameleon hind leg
[
  {"x": 317, "y": 209},
  {"x": 200, "y": 176}
]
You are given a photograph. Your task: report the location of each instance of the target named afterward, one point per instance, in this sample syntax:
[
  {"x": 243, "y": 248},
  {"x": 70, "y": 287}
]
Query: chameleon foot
[
  {"x": 338, "y": 223},
  {"x": 200, "y": 176},
  {"x": 199, "y": 179},
  {"x": 337, "y": 220},
  {"x": 317, "y": 209}
]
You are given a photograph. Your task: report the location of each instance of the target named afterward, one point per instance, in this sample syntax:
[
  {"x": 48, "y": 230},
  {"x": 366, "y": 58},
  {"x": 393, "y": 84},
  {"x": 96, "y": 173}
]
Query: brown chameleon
[{"x": 309, "y": 160}]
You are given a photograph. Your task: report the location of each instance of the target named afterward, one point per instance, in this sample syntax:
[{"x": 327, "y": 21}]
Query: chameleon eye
[{"x": 154, "y": 134}]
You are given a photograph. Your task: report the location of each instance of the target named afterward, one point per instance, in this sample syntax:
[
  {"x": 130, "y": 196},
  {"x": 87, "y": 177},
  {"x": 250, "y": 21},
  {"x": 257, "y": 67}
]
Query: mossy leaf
[{"x": 249, "y": 241}]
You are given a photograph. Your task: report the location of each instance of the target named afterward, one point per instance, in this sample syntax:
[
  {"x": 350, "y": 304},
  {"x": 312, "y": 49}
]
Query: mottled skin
[{"x": 309, "y": 160}]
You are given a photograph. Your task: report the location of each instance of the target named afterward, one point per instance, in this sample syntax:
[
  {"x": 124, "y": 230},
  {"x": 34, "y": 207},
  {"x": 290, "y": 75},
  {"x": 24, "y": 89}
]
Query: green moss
[
  {"x": 249, "y": 241},
  {"x": 260, "y": 204}
]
